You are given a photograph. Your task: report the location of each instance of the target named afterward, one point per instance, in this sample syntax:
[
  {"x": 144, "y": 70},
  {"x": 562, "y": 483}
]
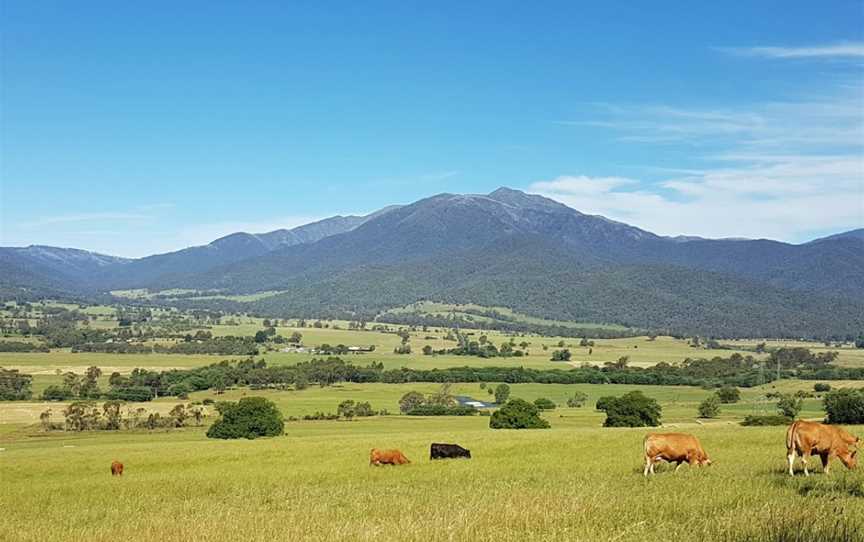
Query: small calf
[
  {"x": 116, "y": 468},
  {"x": 448, "y": 451}
]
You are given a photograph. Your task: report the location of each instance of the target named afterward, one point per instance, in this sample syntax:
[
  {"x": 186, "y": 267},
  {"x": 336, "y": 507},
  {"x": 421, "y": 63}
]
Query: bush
[
  {"x": 632, "y": 410},
  {"x": 249, "y": 418},
  {"x": 544, "y": 404},
  {"x": 728, "y": 394},
  {"x": 789, "y": 405},
  {"x": 56, "y": 393},
  {"x": 517, "y": 414},
  {"x": 754, "y": 420},
  {"x": 604, "y": 402},
  {"x": 821, "y": 387},
  {"x": 845, "y": 406},
  {"x": 710, "y": 407},
  {"x": 442, "y": 410}
]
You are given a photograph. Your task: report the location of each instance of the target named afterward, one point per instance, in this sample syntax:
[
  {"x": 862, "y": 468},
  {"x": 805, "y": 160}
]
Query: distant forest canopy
[{"x": 735, "y": 370}]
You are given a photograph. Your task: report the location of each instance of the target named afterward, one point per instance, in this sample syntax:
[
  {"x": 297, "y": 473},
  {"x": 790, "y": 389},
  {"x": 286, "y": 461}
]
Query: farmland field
[{"x": 575, "y": 481}]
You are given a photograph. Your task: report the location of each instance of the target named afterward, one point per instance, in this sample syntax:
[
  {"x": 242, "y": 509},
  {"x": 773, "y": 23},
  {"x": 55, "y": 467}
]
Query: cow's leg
[
  {"x": 678, "y": 465},
  {"x": 826, "y": 458},
  {"x": 791, "y": 458},
  {"x": 647, "y": 465},
  {"x": 804, "y": 457}
]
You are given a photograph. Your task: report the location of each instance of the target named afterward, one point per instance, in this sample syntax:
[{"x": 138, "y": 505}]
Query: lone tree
[
  {"x": 630, "y": 410},
  {"x": 710, "y": 407},
  {"x": 577, "y": 400},
  {"x": 502, "y": 393},
  {"x": 250, "y": 418},
  {"x": 789, "y": 405},
  {"x": 517, "y": 414},
  {"x": 729, "y": 394}
]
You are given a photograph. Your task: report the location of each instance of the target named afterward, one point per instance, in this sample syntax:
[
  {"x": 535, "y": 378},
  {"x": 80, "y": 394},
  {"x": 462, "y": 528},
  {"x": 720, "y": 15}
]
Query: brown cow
[
  {"x": 826, "y": 441},
  {"x": 387, "y": 457},
  {"x": 116, "y": 468},
  {"x": 673, "y": 447}
]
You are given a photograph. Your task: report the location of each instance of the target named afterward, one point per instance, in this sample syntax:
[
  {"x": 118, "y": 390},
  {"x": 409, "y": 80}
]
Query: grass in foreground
[{"x": 568, "y": 483}]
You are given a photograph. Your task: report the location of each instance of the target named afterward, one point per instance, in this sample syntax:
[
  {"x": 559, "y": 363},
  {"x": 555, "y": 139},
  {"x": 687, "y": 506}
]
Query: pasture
[{"x": 575, "y": 481}]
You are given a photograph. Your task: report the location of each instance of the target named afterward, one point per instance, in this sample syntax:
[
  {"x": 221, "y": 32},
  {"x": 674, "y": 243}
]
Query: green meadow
[{"x": 573, "y": 482}]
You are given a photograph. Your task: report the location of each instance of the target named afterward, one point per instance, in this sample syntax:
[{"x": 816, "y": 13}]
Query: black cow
[{"x": 448, "y": 451}]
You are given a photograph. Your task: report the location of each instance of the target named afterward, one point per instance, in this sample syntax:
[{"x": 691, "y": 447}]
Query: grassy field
[{"x": 575, "y": 481}]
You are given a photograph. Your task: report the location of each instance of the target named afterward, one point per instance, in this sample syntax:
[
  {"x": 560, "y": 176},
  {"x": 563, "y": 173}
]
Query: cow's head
[{"x": 849, "y": 458}]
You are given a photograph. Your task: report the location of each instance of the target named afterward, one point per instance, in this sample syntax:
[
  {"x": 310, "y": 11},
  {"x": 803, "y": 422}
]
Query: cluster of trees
[
  {"x": 517, "y": 414},
  {"x": 350, "y": 409},
  {"x": 735, "y": 371},
  {"x": 22, "y": 347},
  {"x": 89, "y": 416},
  {"x": 500, "y": 324},
  {"x": 226, "y": 346},
  {"x": 75, "y": 386},
  {"x": 14, "y": 386},
  {"x": 480, "y": 348},
  {"x": 633, "y": 409},
  {"x": 249, "y": 418},
  {"x": 440, "y": 403},
  {"x": 845, "y": 406}
]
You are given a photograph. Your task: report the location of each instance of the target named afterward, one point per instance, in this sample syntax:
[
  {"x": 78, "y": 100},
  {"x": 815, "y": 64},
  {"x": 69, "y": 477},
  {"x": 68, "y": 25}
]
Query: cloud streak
[{"x": 832, "y": 51}]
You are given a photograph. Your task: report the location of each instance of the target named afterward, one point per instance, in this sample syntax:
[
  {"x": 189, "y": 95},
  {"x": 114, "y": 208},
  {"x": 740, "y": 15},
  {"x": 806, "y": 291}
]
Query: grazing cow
[
  {"x": 673, "y": 447},
  {"x": 116, "y": 468},
  {"x": 826, "y": 441},
  {"x": 448, "y": 451},
  {"x": 387, "y": 457}
]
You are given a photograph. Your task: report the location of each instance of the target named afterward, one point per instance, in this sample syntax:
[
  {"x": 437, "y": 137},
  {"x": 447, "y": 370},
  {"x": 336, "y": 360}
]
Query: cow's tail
[
  {"x": 791, "y": 437},
  {"x": 645, "y": 444}
]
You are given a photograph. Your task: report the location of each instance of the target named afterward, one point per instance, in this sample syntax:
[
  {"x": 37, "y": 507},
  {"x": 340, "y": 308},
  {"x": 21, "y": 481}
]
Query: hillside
[{"x": 510, "y": 249}]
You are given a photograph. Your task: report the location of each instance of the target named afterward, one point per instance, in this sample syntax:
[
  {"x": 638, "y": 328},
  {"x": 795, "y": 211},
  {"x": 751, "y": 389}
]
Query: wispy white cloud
[
  {"x": 782, "y": 200},
  {"x": 837, "y": 50},
  {"x": 780, "y": 169}
]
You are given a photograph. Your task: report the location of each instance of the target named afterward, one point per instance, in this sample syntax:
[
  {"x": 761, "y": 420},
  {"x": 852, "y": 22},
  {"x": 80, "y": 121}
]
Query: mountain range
[{"x": 506, "y": 248}]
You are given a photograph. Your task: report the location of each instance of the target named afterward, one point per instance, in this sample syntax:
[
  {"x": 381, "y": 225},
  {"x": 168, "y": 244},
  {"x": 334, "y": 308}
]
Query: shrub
[
  {"x": 56, "y": 393},
  {"x": 789, "y": 405},
  {"x": 249, "y": 418},
  {"x": 821, "y": 387},
  {"x": 756, "y": 420},
  {"x": 728, "y": 394},
  {"x": 442, "y": 410},
  {"x": 710, "y": 407},
  {"x": 844, "y": 406},
  {"x": 517, "y": 414},
  {"x": 544, "y": 404},
  {"x": 604, "y": 402},
  {"x": 577, "y": 400},
  {"x": 632, "y": 410}
]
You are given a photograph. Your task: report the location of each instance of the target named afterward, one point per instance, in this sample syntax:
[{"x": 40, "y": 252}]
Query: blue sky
[{"x": 135, "y": 128}]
